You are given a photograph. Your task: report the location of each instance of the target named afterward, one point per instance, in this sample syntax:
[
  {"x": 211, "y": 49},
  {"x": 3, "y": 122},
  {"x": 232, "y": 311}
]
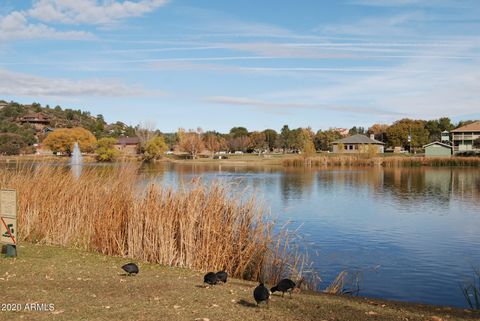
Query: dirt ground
[{"x": 55, "y": 283}]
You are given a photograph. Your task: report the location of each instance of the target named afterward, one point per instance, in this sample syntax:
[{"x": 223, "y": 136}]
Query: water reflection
[{"x": 296, "y": 184}]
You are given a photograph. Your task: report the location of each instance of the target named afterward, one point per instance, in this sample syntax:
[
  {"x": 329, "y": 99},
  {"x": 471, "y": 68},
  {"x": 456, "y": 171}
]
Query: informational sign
[
  {"x": 8, "y": 230},
  {"x": 8, "y": 216}
]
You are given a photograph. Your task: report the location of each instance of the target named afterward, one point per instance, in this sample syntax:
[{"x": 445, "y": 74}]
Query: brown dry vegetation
[
  {"x": 394, "y": 161},
  {"x": 199, "y": 227}
]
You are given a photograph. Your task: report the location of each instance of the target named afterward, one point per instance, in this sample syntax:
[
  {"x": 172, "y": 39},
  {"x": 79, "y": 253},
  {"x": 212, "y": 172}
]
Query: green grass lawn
[{"x": 90, "y": 286}]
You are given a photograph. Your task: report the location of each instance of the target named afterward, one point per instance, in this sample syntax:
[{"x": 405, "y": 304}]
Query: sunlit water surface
[{"x": 410, "y": 234}]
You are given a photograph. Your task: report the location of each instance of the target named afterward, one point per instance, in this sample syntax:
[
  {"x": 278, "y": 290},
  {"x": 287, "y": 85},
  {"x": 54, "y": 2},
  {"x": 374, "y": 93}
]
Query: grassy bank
[
  {"x": 107, "y": 211},
  {"x": 89, "y": 286},
  {"x": 394, "y": 161},
  {"x": 21, "y": 159}
]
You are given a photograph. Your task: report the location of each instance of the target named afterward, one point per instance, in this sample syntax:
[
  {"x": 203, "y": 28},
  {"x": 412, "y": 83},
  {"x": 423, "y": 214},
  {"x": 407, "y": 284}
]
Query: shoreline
[
  {"x": 281, "y": 160},
  {"x": 53, "y": 274}
]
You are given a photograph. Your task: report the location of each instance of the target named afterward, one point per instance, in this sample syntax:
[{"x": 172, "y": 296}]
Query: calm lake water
[{"x": 412, "y": 234}]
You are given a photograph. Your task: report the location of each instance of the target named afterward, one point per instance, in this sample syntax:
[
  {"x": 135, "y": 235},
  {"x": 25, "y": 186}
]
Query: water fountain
[{"x": 76, "y": 161}]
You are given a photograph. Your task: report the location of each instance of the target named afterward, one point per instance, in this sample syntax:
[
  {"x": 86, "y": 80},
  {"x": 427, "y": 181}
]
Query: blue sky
[{"x": 258, "y": 64}]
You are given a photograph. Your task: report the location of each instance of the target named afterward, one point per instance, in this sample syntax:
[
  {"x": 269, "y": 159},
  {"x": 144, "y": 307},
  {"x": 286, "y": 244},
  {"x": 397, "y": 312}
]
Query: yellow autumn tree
[
  {"x": 63, "y": 139},
  {"x": 308, "y": 145},
  {"x": 154, "y": 148}
]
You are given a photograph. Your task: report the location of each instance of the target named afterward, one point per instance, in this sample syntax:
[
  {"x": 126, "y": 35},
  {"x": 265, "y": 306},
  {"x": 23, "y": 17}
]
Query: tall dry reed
[
  {"x": 200, "y": 227},
  {"x": 364, "y": 160}
]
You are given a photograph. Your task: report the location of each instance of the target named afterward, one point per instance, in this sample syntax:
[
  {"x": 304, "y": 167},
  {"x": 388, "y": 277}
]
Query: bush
[
  {"x": 468, "y": 153},
  {"x": 12, "y": 144},
  {"x": 154, "y": 148},
  {"x": 106, "y": 152}
]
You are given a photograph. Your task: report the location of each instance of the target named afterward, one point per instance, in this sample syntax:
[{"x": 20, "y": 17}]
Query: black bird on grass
[
  {"x": 285, "y": 285},
  {"x": 222, "y": 276},
  {"x": 261, "y": 293},
  {"x": 210, "y": 278},
  {"x": 130, "y": 268}
]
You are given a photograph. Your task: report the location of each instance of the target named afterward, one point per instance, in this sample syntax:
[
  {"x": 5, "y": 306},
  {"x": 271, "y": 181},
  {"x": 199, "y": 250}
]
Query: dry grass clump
[
  {"x": 108, "y": 210},
  {"x": 338, "y": 160},
  {"x": 431, "y": 161},
  {"x": 345, "y": 283},
  {"x": 394, "y": 161},
  {"x": 337, "y": 285}
]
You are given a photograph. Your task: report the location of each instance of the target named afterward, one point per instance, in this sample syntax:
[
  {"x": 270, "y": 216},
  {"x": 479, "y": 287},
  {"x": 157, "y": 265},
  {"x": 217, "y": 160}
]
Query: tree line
[
  {"x": 405, "y": 133},
  {"x": 95, "y": 134}
]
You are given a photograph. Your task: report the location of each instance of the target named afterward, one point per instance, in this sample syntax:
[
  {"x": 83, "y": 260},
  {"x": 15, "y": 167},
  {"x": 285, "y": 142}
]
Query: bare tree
[
  {"x": 191, "y": 141},
  {"x": 145, "y": 131},
  {"x": 213, "y": 142},
  {"x": 238, "y": 144}
]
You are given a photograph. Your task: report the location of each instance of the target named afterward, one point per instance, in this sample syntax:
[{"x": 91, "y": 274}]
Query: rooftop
[
  {"x": 358, "y": 139},
  {"x": 438, "y": 143},
  {"x": 34, "y": 117},
  {"x": 473, "y": 127},
  {"x": 128, "y": 141}
]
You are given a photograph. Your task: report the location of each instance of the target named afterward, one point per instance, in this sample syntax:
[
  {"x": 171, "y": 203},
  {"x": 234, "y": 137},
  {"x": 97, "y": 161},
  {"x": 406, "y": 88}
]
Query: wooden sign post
[{"x": 8, "y": 220}]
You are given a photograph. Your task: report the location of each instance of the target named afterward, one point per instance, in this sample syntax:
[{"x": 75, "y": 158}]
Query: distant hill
[{"x": 21, "y": 126}]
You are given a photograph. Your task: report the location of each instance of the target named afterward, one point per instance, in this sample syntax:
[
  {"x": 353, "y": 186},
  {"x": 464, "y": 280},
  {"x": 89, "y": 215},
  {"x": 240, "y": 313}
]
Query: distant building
[
  {"x": 3, "y": 104},
  {"x": 463, "y": 138},
  {"x": 445, "y": 136},
  {"x": 357, "y": 144},
  {"x": 42, "y": 150},
  {"x": 342, "y": 131},
  {"x": 438, "y": 149},
  {"x": 127, "y": 145},
  {"x": 38, "y": 120}
]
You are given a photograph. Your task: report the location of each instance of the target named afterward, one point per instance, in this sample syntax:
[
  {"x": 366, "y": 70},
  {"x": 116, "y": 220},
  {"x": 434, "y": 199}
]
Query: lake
[{"x": 411, "y": 234}]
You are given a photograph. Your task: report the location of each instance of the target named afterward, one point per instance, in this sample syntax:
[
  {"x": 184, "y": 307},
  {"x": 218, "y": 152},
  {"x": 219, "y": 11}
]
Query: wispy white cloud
[
  {"x": 429, "y": 94},
  {"x": 393, "y": 25},
  {"x": 275, "y": 106},
  {"x": 146, "y": 60},
  {"x": 193, "y": 66},
  {"x": 90, "y": 11},
  {"x": 385, "y": 2},
  {"x": 16, "y": 26},
  {"x": 318, "y": 50},
  {"x": 21, "y": 84},
  {"x": 212, "y": 23},
  {"x": 422, "y": 3},
  {"x": 36, "y": 22}
]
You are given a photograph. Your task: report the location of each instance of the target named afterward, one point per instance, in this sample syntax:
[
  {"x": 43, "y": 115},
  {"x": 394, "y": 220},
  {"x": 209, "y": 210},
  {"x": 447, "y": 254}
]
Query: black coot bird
[
  {"x": 130, "y": 268},
  {"x": 285, "y": 285},
  {"x": 222, "y": 276},
  {"x": 210, "y": 278},
  {"x": 261, "y": 293}
]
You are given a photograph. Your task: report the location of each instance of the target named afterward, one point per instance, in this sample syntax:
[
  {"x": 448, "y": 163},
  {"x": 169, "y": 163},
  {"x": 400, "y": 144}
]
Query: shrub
[
  {"x": 106, "y": 152},
  {"x": 11, "y": 144},
  {"x": 154, "y": 148}
]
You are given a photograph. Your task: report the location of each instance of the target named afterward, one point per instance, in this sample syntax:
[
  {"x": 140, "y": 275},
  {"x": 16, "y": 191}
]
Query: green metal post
[{"x": 11, "y": 251}]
